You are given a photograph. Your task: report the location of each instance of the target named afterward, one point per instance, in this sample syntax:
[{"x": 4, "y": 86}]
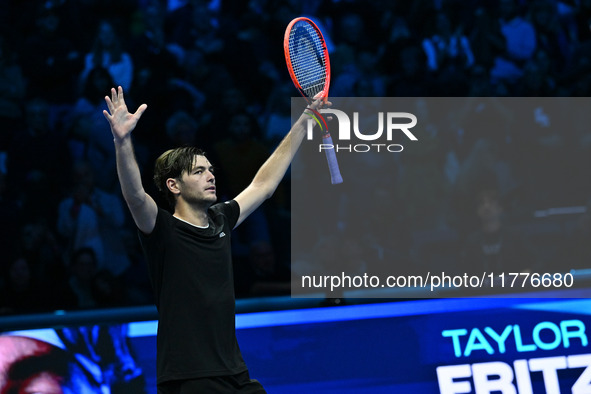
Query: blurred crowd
[{"x": 213, "y": 75}]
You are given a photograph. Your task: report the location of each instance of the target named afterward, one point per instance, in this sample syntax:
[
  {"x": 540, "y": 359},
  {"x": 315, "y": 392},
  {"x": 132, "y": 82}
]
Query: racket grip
[{"x": 333, "y": 164}]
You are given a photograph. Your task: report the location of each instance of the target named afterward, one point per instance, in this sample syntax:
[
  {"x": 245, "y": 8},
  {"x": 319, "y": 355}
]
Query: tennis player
[{"x": 189, "y": 257}]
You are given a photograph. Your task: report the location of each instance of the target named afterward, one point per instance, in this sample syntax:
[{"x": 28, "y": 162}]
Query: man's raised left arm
[{"x": 273, "y": 170}]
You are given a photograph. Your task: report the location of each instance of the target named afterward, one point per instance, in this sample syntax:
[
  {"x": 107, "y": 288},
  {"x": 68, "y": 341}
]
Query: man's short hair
[{"x": 172, "y": 164}]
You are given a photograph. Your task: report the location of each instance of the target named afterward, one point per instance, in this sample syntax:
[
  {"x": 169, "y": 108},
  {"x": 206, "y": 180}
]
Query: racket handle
[{"x": 333, "y": 165}]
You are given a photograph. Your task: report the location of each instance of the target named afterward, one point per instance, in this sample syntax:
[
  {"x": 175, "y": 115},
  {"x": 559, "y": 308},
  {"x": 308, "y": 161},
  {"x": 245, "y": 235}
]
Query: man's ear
[{"x": 173, "y": 185}]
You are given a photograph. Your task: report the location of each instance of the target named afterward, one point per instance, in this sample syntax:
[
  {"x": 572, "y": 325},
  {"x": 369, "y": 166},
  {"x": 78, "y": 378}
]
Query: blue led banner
[{"x": 447, "y": 346}]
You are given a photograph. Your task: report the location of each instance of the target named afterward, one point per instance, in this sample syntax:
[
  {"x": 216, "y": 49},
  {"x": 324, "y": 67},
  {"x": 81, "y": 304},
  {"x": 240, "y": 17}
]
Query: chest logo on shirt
[{"x": 222, "y": 234}]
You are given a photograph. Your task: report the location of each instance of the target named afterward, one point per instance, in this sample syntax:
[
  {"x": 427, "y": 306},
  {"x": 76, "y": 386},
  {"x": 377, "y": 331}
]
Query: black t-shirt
[{"x": 191, "y": 273}]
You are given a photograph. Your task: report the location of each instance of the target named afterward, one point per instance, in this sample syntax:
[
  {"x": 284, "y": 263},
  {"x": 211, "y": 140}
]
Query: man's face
[
  {"x": 198, "y": 185},
  {"x": 240, "y": 127},
  {"x": 106, "y": 34},
  {"x": 489, "y": 208},
  {"x": 18, "y": 351},
  {"x": 30, "y": 365}
]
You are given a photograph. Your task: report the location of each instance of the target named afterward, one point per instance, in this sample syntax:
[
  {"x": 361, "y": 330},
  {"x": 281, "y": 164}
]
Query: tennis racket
[{"x": 309, "y": 68}]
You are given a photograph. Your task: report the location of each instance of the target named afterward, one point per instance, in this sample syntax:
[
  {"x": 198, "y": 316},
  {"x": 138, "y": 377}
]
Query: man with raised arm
[{"x": 189, "y": 257}]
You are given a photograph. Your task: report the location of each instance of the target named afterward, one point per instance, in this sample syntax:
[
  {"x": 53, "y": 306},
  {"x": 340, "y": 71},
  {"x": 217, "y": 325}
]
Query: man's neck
[{"x": 191, "y": 215}]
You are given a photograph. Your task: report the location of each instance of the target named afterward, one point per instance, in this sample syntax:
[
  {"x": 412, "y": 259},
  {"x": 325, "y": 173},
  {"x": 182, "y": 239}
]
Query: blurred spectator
[
  {"x": 94, "y": 218},
  {"x": 538, "y": 78},
  {"x": 582, "y": 21},
  {"x": 520, "y": 38},
  {"x": 111, "y": 220},
  {"x": 322, "y": 249},
  {"x": 244, "y": 36},
  {"x": 20, "y": 293},
  {"x": 87, "y": 138},
  {"x": 39, "y": 245},
  {"x": 83, "y": 268},
  {"x": 78, "y": 222},
  {"x": 37, "y": 157},
  {"x": 492, "y": 246},
  {"x": 398, "y": 39},
  {"x": 449, "y": 56},
  {"x": 385, "y": 240},
  {"x": 262, "y": 274},
  {"x": 51, "y": 61},
  {"x": 447, "y": 48},
  {"x": 349, "y": 32},
  {"x": 487, "y": 158},
  {"x": 194, "y": 26},
  {"x": 195, "y": 37},
  {"x": 181, "y": 129},
  {"x": 481, "y": 85},
  {"x": 277, "y": 113},
  {"x": 243, "y": 153},
  {"x": 109, "y": 52},
  {"x": 486, "y": 39},
  {"x": 108, "y": 290},
  {"x": 152, "y": 52},
  {"x": 157, "y": 61},
  {"x": 551, "y": 36},
  {"x": 422, "y": 185},
  {"x": 12, "y": 93},
  {"x": 135, "y": 279},
  {"x": 33, "y": 282},
  {"x": 481, "y": 117},
  {"x": 235, "y": 102},
  {"x": 413, "y": 81}
]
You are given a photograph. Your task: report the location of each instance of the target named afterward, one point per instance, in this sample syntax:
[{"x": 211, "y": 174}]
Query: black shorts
[{"x": 239, "y": 383}]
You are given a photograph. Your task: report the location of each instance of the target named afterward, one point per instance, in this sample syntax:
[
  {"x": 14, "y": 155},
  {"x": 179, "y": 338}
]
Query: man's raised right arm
[{"x": 143, "y": 208}]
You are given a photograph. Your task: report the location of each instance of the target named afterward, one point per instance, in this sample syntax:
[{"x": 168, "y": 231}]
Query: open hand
[{"x": 122, "y": 122}]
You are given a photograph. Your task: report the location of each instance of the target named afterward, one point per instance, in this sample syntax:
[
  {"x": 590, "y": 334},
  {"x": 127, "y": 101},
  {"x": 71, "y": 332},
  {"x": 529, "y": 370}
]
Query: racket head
[{"x": 307, "y": 58}]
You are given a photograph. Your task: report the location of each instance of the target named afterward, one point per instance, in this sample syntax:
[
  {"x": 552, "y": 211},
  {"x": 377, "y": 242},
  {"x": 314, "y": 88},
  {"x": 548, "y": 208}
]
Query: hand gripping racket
[{"x": 309, "y": 68}]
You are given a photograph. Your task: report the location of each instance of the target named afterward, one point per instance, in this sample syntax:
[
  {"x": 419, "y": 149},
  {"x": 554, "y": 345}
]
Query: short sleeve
[
  {"x": 229, "y": 209},
  {"x": 154, "y": 248}
]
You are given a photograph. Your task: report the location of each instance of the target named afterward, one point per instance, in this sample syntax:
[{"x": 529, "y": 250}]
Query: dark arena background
[{"x": 495, "y": 192}]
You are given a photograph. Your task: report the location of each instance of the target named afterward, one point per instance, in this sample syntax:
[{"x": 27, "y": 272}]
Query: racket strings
[{"x": 307, "y": 58}]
